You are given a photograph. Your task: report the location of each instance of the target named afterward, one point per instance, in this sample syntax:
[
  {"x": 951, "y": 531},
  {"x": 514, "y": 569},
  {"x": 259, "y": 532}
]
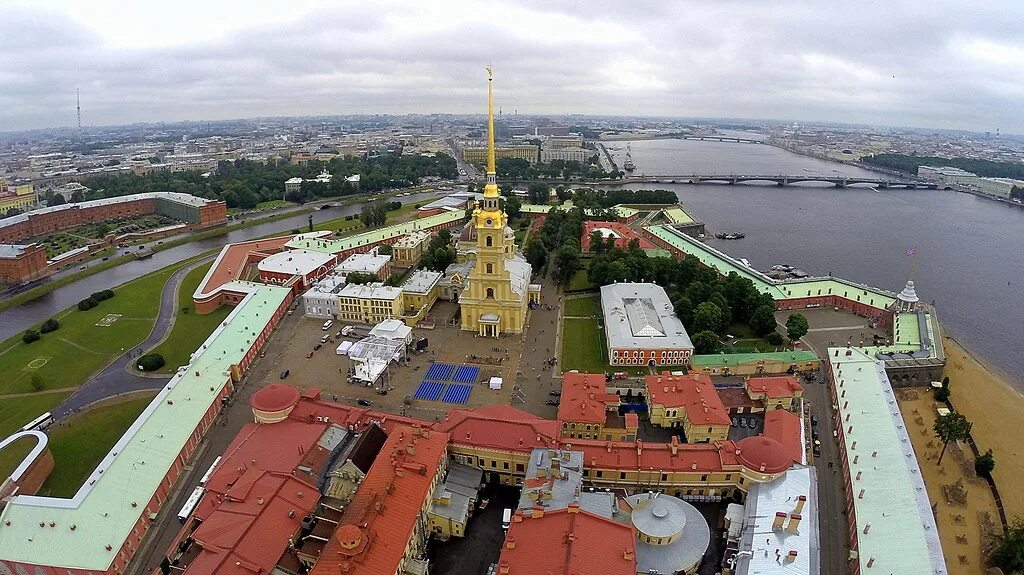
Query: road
[{"x": 116, "y": 378}]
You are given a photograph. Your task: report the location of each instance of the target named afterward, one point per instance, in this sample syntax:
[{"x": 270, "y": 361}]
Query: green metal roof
[
  {"x": 678, "y": 216},
  {"x": 375, "y": 236},
  {"x": 780, "y": 290},
  {"x": 736, "y": 359},
  {"x": 888, "y": 490},
  {"x": 906, "y": 331},
  {"x": 102, "y": 512}
]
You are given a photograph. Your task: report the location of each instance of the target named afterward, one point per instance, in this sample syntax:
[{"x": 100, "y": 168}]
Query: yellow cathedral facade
[{"x": 498, "y": 292}]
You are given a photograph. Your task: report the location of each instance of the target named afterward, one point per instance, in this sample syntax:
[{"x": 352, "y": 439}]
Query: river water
[
  {"x": 24, "y": 316},
  {"x": 968, "y": 254}
]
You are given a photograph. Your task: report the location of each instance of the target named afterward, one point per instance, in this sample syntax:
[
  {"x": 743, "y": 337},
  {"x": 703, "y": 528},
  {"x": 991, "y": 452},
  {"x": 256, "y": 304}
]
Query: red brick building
[
  {"x": 22, "y": 263},
  {"x": 622, "y": 233}
]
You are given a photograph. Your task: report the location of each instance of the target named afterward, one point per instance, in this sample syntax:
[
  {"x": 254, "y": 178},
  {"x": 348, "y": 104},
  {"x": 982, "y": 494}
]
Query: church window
[
  {"x": 490, "y": 268},
  {"x": 489, "y": 241},
  {"x": 490, "y": 293}
]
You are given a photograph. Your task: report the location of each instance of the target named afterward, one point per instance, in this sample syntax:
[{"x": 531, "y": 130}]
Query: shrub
[
  {"x": 102, "y": 295},
  {"x": 984, "y": 464},
  {"x": 151, "y": 362},
  {"x": 941, "y": 394},
  {"x": 87, "y": 304},
  {"x": 49, "y": 325},
  {"x": 36, "y": 382},
  {"x": 775, "y": 338},
  {"x": 30, "y": 336}
]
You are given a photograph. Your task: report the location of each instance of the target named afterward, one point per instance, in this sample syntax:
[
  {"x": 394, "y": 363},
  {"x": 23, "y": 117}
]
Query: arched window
[
  {"x": 490, "y": 293},
  {"x": 489, "y": 241},
  {"x": 490, "y": 268}
]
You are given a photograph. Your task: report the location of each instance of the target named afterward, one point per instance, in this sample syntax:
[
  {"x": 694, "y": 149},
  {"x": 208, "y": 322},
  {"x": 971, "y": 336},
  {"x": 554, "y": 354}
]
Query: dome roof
[
  {"x": 275, "y": 397},
  {"x": 764, "y": 454}
]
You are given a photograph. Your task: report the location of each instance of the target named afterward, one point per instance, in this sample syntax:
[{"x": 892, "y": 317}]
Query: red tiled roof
[
  {"x": 386, "y": 506},
  {"x": 583, "y": 398},
  {"x": 275, "y": 397},
  {"x": 626, "y": 235},
  {"x": 774, "y": 387},
  {"x": 785, "y": 427},
  {"x": 761, "y": 453},
  {"x": 499, "y": 427},
  {"x": 567, "y": 542},
  {"x": 674, "y": 456},
  {"x": 694, "y": 393},
  {"x": 234, "y": 258}
]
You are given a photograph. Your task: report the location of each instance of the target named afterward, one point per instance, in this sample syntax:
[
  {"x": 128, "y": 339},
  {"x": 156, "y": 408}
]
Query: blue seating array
[
  {"x": 430, "y": 390},
  {"x": 466, "y": 374},
  {"x": 440, "y": 371},
  {"x": 457, "y": 393}
]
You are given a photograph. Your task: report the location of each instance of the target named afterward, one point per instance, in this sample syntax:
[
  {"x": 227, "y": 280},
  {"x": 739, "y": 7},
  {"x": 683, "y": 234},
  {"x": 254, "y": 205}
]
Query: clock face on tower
[{"x": 489, "y": 221}]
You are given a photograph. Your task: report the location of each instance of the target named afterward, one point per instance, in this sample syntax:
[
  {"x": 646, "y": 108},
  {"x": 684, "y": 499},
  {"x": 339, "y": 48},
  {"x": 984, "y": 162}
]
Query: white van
[
  {"x": 506, "y": 518},
  {"x": 328, "y": 324}
]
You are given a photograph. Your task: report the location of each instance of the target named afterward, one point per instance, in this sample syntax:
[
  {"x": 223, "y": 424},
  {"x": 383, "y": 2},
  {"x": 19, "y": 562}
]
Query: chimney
[
  {"x": 800, "y": 503},
  {"x": 794, "y": 523},
  {"x": 628, "y": 554},
  {"x": 510, "y": 543},
  {"x": 780, "y": 518},
  {"x": 503, "y": 568},
  {"x": 861, "y": 494},
  {"x": 791, "y": 556},
  {"x": 536, "y": 512},
  {"x": 871, "y": 561},
  {"x": 674, "y": 445},
  {"x": 867, "y": 528},
  {"x": 858, "y": 475},
  {"x": 573, "y": 508}
]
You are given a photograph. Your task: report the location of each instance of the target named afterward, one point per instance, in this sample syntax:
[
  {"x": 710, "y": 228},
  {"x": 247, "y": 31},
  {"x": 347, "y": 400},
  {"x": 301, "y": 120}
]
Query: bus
[
  {"x": 209, "y": 472},
  {"x": 40, "y": 423},
  {"x": 190, "y": 504}
]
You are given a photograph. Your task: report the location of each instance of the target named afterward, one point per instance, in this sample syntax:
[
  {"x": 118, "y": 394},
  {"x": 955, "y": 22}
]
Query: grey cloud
[{"x": 882, "y": 62}]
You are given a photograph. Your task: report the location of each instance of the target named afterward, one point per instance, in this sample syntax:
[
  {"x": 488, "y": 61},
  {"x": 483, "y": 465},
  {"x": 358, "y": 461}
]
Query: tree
[
  {"x": 567, "y": 259},
  {"x": 151, "y": 362},
  {"x": 706, "y": 342},
  {"x": 37, "y": 382},
  {"x": 385, "y": 249},
  {"x": 535, "y": 253},
  {"x": 796, "y": 326},
  {"x": 951, "y": 427},
  {"x": 684, "y": 309},
  {"x": 77, "y": 197},
  {"x": 30, "y": 336},
  {"x": 707, "y": 318},
  {"x": 1008, "y": 551},
  {"x": 775, "y": 338},
  {"x": 984, "y": 464},
  {"x": 359, "y": 278},
  {"x": 49, "y": 325},
  {"x": 762, "y": 321},
  {"x": 513, "y": 206},
  {"x": 563, "y": 193},
  {"x": 538, "y": 193},
  {"x": 56, "y": 200}
]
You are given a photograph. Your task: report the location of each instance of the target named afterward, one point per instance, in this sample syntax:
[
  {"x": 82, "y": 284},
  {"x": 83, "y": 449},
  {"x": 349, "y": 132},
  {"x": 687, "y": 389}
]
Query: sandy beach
[{"x": 995, "y": 408}]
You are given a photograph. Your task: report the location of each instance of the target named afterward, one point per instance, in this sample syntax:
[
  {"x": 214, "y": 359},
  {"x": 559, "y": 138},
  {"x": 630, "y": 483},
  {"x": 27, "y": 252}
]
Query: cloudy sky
[{"x": 922, "y": 63}]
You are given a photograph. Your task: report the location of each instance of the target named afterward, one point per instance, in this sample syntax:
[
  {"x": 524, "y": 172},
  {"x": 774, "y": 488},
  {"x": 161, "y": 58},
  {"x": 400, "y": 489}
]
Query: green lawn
[
  {"x": 78, "y": 447},
  {"x": 190, "y": 329},
  {"x": 583, "y": 346},
  {"x": 589, "y": 306},
  {"x": 12, "y": 455},
  {"x": 746, "y": 341},
  {"x": 580, "y": 282},
  {"x": 66, "y": 358}
]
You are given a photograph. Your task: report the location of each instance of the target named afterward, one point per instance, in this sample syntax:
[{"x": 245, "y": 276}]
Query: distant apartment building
[
  {"x": 947, "y": 175},
  {"x": 998, "y": 187},
  {"x": 478, "y": 155},
  {"x": 21, "y": 197},
  {"x": 572, "y": 141},
  {"x": 581, "y": 155}
]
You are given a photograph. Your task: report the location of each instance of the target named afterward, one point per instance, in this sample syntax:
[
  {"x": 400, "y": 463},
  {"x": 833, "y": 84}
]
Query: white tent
[
  {"x": 344, "y": 347},
  {"x": 495, "y": 383}
]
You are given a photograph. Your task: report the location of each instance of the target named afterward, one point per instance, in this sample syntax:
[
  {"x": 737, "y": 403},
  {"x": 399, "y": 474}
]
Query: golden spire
[{"x": 491, "y": 189}]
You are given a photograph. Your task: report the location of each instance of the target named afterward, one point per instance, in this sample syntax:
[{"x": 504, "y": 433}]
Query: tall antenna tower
[{"x": 78, "y": 109}]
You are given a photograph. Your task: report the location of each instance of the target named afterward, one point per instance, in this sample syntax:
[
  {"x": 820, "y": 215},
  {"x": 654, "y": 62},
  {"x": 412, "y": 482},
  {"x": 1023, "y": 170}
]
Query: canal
[{"x": 27, "y": 314}]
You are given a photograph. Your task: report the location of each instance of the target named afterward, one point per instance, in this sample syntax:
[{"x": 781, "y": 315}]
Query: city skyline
[{"x": 947, "y": 68}]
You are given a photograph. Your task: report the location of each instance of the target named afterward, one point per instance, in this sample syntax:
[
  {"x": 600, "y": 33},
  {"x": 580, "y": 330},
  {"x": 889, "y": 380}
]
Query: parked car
[
  {"x": 552, "y": 402},
  {"x": 816, "y": 451},
  {"x": 327, "y": 325},
  {"x": 284, "y": 374},
  {"x": 735, "y": 422},
  {"x": 325, "y": 338},
  {"x": 317, "y": 347},
  {"x": 814, "y": 420},
  {"x": 364, "y": 402},
  {"x": 555, "y": 393},
  {"x": 814, "y": 434},
  {"x": 743, "y": 422},
  {"x": 309, "y": 355}
]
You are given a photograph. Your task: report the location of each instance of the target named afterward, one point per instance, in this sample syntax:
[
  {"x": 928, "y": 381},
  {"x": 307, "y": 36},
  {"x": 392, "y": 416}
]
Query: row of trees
[
  {"x": 439, "y": 253},
  {"x": 376, "y": 214},
  {"x": 519, "y": 169},
  {"x": 909, "y": 163},
  {"x": 244, "y": 183}
]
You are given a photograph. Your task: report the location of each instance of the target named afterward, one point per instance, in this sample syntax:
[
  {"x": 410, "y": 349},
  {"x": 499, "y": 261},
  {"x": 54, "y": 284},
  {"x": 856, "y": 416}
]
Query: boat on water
[
  {"x": 745, "y": 262},
  {"x": 731, "y": 236},
  {"x": 628, "y": 165}
]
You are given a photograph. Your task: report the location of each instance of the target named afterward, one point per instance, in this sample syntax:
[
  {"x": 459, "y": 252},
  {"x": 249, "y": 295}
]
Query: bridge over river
[{"x": 781, "y": 180}]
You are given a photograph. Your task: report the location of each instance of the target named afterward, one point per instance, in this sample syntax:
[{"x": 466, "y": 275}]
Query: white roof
[
  {"x": 640, "y": 316},
  {"x": 392, "y": 329},
  {"x": 758, "y": 537},
  {"x": 295, "y": 262},
  {"x": 368, "y": 263},
  {"x": 370, "y": 291},
  {"x": 421, "y": 281}
]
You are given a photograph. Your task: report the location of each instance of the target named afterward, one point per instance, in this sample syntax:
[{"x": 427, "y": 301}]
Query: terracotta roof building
[
  {"x": 567, "y": 542},
  {"x": 587, "y": 411},
  {"x": 776, "y": 392},
  {"x": 383, "y": 530},
  {"x": 690, "y": 402}
]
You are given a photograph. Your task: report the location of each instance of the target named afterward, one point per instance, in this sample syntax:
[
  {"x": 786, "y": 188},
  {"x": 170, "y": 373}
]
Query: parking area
[{"x": 474, "y": 553}]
